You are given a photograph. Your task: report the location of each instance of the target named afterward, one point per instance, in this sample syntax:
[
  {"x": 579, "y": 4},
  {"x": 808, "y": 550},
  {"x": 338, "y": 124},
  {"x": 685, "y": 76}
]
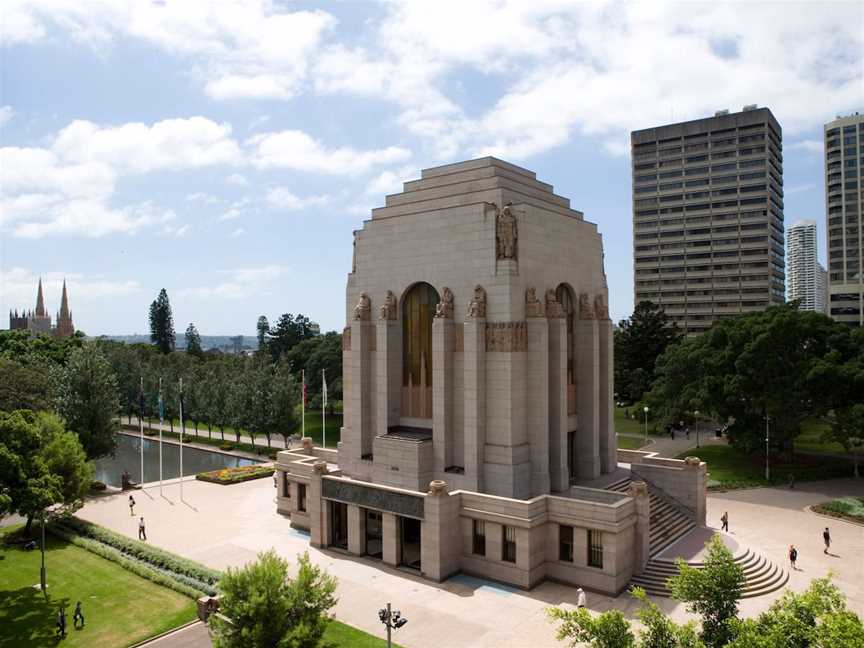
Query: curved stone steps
[{"x": 761, "y": 575}]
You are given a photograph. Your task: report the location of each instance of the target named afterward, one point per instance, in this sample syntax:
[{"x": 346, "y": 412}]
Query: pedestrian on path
[
  {"x": 793, "y": 557},
  {"x": 725, "y": 520},
  {"x": 826, "y": 536},
  {"x": 142, "y": 533},
  {"x": 78, "y": 616},
  {"x": 580, "y": 597},
  {"x": 131, "y": 506},
  {"x": 61, "y": 623},
  {"x": 791, "y": 480}
]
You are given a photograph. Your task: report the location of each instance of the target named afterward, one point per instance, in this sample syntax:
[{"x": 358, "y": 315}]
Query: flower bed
[
  {"x": 847, "y": 508},
  {"x": 227, "y": 476}
]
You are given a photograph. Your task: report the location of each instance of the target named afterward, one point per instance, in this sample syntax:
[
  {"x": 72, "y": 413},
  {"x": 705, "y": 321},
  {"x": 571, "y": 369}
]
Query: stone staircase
[
  {"x": 761, "y": 576},
  {"x": 668, "y": 521}
]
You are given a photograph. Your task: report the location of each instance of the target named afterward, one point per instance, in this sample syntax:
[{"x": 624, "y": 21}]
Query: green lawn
[
  {"x": 810, "y": 438},
  {"x": 120, "y": 608},
  {"x": 334, "y": 425},
  {"x": 730, "y": 468},
  {"x": 630, "y": 443},
  {"x": 345, "y": 636}
]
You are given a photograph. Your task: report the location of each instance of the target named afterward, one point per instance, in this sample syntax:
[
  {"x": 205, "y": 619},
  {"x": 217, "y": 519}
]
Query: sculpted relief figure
[
  {"x": 477, "y": 307},
  {"x": 601, "y": 311},
  {"x": 553, "y": 306},
  {"x": 505, "y": 233},
  {"x": 586, "y": 308},
  {"x": 388, "y": 308},
  {"x": 363, "y": 309},
  {"x": 444, "y": 308},
  {"x": 533, "y": 307}
]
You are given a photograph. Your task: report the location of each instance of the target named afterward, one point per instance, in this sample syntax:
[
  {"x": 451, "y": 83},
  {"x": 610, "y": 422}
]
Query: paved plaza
[{"x": 223, "y": 526}]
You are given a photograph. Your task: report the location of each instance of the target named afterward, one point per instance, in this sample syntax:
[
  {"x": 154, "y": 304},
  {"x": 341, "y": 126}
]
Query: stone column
[
  {"x": 696, "y": 487},
  {"x": 474, "y": 340},
  {"x": 361, "y": 336},
  {"x": 389, "y": 378},
  {"x": 442, "y": 393},
  {"x": 356, "y": 530},
  {"x": 587, "y": 389},
  {"x": 642, "y": 532},
  {"x": 606, "y": 398},
  {"x": 316, "y": 505},
  {"x": 559, "y": 474},
  {"x": 441, "y": 533},
  {"x": 538, "y": 404},
  {"x": 390, "y": 545}
]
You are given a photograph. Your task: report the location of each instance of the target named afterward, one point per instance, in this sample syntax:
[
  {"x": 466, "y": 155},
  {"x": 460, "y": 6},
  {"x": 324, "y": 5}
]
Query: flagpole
[
  {"x": 141, "y": 427},
  {"x": 182, "y": 432},
  {"x": 303, "y": 398},
  {"x": 323, "y": 410},
  {"x": 161, "y": 418}
]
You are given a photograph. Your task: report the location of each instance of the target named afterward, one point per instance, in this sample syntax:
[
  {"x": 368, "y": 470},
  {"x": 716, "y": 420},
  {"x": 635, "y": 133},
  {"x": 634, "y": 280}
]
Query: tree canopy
[
  {"x": 162, "y": 323},
  {"x": 193, "y": 341}
]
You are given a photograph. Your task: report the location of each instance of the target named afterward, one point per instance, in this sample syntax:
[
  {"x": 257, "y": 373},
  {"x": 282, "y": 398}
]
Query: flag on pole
[
  {"x": 141, "y": 400},
  {"x": 161, "y": 404},
  {"x": 303, "y": 374},
  {"x": 323, "y": 391}
]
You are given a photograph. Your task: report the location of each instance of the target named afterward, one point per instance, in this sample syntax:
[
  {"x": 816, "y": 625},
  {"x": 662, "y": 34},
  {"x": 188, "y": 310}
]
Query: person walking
[
  {"x": 826, "y": 536},
  {"x": 61, "y": 623},
  {"x": 793, "y": 557},
  {"x": 725, "y": 520},
  {"x": 131, "y": 506},
  {"x": 142, "y": 533},
  {"x": 78, "y": 616},
  {"x": 580, "y": 597}
]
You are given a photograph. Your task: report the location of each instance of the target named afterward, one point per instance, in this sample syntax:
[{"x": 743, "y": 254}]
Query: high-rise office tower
[
  {"x": 708, "y": 216},
  {"x": 844, "y": 162},
  {"x": 806, "y": 277}
]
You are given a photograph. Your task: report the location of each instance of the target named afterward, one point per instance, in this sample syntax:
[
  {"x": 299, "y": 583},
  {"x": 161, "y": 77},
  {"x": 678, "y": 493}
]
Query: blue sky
[{"x": 226, "y": 150}]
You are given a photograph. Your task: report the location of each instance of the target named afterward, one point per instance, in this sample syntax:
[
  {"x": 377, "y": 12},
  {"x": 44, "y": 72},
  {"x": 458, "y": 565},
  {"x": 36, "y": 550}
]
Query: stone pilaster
[
  {"x": 538, "y": 403},
  {"x": 441, "y": 533},
  {"x": 361, "y": 394},
  {"x": 642, "y": 533},
  {"x": 558, "y": 461},
  {"x": 390, "y": 545},
  {"x": 474, "y": 360},
  {"x": 587, "y": 389},
  {"x": 316, "y": 505},
  {"x": 356, "y": 530},
  {"x": 389, "y": 374},
  {"x": 442, "y": 393},
  {"x": 697, "y": 483},
  {"x": 606, "y": 398}
]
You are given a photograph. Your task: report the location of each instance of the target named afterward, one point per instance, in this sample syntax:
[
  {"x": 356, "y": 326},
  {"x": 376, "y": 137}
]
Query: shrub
[{"x": 97, "y": 486}]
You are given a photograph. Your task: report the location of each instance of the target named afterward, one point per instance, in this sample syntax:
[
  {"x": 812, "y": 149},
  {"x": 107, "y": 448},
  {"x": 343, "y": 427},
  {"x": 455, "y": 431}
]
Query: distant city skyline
[{"x": 227, "y": 155}]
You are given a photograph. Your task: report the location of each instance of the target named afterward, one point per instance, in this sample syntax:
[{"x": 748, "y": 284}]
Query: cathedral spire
[
  {"x": 64, "y": 304},
  {"x": 40, "y": 302}
]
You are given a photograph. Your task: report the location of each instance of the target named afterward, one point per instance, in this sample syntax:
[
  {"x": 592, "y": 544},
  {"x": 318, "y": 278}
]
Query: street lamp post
[
  {"x": 42, "y": 570},
  {"x": 767, "y": 447},
  {"x": 645, "y": 409},
  {"x": 696, "y": 414},
  {"x": 393, "y": 619}
]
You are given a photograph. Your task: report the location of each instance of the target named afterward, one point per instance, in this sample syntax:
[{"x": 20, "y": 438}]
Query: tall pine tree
[
  {"x": 162, "y": 323},
  {"x": 193, "y": 341}
]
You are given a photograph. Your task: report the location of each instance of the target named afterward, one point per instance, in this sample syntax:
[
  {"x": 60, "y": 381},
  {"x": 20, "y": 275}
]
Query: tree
[
  {"x": 193, "y": 341},
  {"x": 23, "y": 387},
  {"x": 712, "y": 592},
  {"x": 285, "y": 396},
  {"x": 162, "y": 323},
  {"x": 264, "y": 607},
  {"x": 87, "y": 400},
  {"x": 314, "y": 355},
  {"x": 41, "y": 464},
  {"x": 288, "y": 332},
  {"x": 639, "y": 342},
  {"x": 263, "y": 327}
]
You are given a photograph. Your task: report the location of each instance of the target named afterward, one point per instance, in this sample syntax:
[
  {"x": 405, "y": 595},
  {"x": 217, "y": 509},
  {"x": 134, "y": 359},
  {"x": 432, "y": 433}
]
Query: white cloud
[
  {"x": 176, "y": 231},
  {"x": 92, "y": 219},
  {"x": 261, "y": 86},
  {"x": 240, "y": 283},
  {"x": 19, "y": 288},
  {"x": 237, "y": 179},
  {"x": 810, "y": 145},
  {"x": 390, "y": 182},
  {"x": 293, "y": 149},
  {"x": 6, "y": 114},
  {"x": 237, "y": 233},
  {"x": 203, "y": 197},
  {"x": 282, "y": 198}
]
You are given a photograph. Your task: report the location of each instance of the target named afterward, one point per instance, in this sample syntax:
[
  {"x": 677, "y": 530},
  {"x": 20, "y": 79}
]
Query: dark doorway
[
  {"x": 410, "y": 539},
  {"x": 339, "y": 525},
  {"x": 374, "y": 544}
]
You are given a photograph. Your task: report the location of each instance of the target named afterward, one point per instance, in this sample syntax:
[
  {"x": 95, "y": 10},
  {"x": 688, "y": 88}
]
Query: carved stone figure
[
  {"x": 477, "y": 307},
  {"x": 533, "y": 307},
  {"x": 388, "y": 308},
  {"x": 363, "y": 309},
  {"x": 553, "y": 306},
  {"x": 601, "y": 311},
  {"x": 444, "y": 308},
  {"x": 346, "y": 338},
  {"x": 505, "y": 233},
  {"x": 586, "y": 308},
  {"x": 506, "y": 337}
]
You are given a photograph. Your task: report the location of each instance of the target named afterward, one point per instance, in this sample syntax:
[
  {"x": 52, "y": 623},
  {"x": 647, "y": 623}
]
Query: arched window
[
  {"x": 568, "y": 308},
  {"x": 418, "y": 308}
]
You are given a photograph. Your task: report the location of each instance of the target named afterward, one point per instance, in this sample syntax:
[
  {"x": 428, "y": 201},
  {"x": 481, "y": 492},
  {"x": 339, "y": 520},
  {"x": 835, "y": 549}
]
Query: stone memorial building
[{"x": 477, "y": 393}]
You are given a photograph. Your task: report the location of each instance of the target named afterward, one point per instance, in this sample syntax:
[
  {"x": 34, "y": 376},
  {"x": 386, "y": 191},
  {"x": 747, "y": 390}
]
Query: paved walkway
[
  {"x": 192, "y": 636},
  {"x": 224, "y": 526}
]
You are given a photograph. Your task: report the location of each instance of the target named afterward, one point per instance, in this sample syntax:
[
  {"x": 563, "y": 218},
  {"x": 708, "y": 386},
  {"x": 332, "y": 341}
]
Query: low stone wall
[{"x": 683, "y": 480}]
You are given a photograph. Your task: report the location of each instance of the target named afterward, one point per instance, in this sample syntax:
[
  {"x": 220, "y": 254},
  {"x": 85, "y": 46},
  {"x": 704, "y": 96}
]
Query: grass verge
[
  {"x": 345, "y": 636},
  {"x": 631, "y": 443}
]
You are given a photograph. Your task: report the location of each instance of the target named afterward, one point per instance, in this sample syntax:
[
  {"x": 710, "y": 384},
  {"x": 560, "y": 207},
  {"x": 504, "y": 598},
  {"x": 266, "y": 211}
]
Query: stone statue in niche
[
  {"x": 477, "y": 307},
  {"x": 553, "y": 306},
  {"x": 586, "y": 308},
  {"x": 601, "y": 312},
  {"x": 533, "y": 307},
  {"x": 505, "y": 233},
  {"x": 388, "y": 308},
  {"x": 363, "y": 309},
  {"x": 444, "y": 308}
]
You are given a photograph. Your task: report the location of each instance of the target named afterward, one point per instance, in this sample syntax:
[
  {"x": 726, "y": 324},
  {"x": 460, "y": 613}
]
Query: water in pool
[{"x": 128, "y": 457}]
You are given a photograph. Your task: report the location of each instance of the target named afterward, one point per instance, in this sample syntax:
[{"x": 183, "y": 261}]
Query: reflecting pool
[{"x": 128, "y": 457}]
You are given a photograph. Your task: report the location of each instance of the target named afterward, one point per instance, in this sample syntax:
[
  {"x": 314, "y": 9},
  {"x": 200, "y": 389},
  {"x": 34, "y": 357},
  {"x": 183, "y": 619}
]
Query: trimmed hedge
[
  {"x": 236, "y": 475},
  {"x": 156, "y": 557},
  {"x": 134, "y": 566}
]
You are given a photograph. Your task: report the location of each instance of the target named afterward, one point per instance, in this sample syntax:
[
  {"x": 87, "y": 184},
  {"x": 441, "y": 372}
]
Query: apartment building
[
  {"x": 844, "y": 159},
  {"x": 806, "y": 276},
  {"x": 708, "y": 236}
]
